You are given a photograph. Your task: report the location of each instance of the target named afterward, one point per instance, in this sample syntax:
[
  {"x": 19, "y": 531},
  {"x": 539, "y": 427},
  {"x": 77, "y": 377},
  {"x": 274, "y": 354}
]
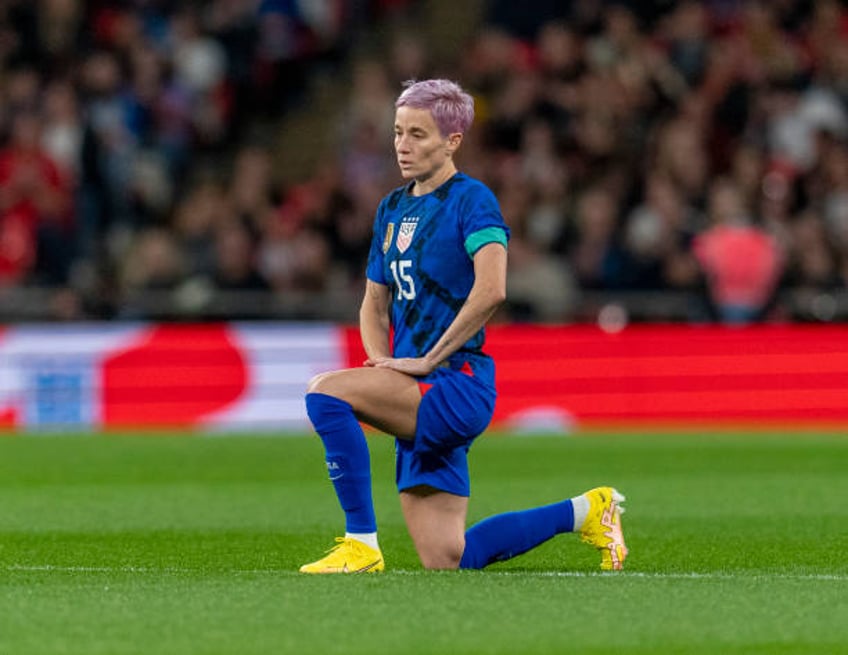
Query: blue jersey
[{"x": 422, "y": 250}]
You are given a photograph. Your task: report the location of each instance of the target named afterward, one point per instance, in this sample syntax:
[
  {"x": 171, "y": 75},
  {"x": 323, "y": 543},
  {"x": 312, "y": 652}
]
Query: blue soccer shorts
[{"x": 457, "y": 404}]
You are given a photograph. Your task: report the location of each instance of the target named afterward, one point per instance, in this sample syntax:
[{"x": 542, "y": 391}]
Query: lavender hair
[{"x": 451, "y": 107}]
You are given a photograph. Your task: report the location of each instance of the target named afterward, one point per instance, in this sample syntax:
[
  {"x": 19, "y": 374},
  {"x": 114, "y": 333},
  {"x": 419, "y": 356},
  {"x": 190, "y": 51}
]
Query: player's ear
[{"x": 453, "y": 142}]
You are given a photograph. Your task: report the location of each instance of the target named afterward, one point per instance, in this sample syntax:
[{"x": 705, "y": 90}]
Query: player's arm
[
  {"x": 374, "y": 321},
  {"x": 486, "y": 295}
]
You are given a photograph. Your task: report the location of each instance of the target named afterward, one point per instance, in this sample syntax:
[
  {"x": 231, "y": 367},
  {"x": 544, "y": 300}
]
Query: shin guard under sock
[{"x": 348, "y": 458}]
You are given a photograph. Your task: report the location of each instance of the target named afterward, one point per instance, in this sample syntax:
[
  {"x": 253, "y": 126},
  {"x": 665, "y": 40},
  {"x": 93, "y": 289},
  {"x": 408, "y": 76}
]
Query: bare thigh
[
  {"x": 382, "y": 397},
  {"x": 436, "y": 522}
]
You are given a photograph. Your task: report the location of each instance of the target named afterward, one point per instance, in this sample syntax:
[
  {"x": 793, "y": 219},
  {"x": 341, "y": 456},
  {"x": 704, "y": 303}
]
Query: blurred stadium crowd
[{"x": 667, "y": 160}]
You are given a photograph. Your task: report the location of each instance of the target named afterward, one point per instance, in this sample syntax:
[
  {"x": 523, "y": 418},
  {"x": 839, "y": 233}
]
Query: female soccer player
[{"x": 436, "y": 273}]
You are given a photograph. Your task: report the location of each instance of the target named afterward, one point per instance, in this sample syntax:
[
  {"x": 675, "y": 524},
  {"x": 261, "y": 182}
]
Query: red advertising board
[{"x": 677, "y": 374}]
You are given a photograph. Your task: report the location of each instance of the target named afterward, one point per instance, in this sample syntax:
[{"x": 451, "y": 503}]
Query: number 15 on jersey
[{"x": 403, "y": 279}]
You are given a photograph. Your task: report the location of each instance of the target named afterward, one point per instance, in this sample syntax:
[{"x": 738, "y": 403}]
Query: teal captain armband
[{"x": 484, "y": 237}]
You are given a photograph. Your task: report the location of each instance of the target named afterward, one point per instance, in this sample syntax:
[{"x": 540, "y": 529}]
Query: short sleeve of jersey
[
  {"x": 482, "y": 221},
  {"x": 484, "y": 237},
  {"x": 374, "y": 269}
]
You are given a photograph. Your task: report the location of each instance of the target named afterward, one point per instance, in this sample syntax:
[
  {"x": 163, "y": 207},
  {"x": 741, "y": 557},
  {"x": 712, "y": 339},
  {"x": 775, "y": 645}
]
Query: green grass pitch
[{"x": 173, "y": 545}]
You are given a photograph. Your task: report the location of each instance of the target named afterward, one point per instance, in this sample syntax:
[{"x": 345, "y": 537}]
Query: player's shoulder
[
  {"x": 472, "y": 193},
  {"x": 466, "y": 182},
  {"x": 462, "y": 187}
]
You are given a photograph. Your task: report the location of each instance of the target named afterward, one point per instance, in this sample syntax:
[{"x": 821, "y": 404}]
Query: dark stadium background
[{"x": 674, "y": 174}]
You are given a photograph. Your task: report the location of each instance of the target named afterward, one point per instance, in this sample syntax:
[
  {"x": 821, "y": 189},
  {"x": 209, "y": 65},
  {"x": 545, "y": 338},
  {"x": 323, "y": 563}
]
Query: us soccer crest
[{"x": 405, "y": 232}]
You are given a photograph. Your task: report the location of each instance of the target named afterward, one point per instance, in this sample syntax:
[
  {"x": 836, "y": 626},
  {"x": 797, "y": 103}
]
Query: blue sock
[
  {"x": 348, "y": 459},
  {"x": 504, "y": 536}
]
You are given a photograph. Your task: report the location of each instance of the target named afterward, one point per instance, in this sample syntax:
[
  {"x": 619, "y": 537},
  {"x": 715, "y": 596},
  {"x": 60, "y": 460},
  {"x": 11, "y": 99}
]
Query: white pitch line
[
  {"x": 714, "y": 575},
  {"x": 824, "y": 577}
]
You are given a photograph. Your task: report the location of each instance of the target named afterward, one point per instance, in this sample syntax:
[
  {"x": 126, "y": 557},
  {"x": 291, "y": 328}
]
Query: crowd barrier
[{"x": 251, "y": 376}]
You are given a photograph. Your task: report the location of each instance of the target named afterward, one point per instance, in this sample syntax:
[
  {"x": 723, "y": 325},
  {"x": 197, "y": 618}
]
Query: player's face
[{"x": 422, "y": 152}]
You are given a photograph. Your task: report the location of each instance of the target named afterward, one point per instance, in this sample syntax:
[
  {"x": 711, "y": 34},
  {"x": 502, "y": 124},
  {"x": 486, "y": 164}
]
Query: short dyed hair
[{"x": 451, "y": 107}]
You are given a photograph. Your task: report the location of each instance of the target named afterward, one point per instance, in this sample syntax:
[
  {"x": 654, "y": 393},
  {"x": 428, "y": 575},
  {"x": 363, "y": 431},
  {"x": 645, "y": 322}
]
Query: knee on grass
[{"x": 441, "y": 558}]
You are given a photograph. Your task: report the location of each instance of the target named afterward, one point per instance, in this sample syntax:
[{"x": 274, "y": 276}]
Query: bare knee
[
  {"x": 317, "y": 384},
  {"x": 331, "y": 383},
  {"x": 441, "y": 562},
  {"x": 340, "y": 384},
  {"x": 442, "y": 556},
  {"x": 436, "y": 523}
]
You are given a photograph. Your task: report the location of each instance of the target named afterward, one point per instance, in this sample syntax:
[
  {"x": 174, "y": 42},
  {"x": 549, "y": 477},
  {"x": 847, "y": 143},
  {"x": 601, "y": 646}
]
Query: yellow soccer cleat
[
  {"x": 602, "y": 527},
  {"x": 348, "y": 556}
]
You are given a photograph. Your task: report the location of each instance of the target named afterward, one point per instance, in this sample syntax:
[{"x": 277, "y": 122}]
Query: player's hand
[{"x": 415, "y": 366}]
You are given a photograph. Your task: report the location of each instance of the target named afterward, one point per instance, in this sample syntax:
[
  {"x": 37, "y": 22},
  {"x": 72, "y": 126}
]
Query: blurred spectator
[
  {"x": 796, "y": 119},
  {"x": 813, "y": 262},
  {"x": 63, "y": 128},
  {"x": 251, "y": 188},
  {"x": 109, "y": 146},
  {"x": 22, "y": 86},
  {"x": 747, "y": 168},
  {"x": 153, "y": 262},
  {"x": 489, "y": 61},
  {"x": 742, "y": 264},
  {"x": 36, "y": 212},
  {"x": 596, "y": 255},
  {"x": 657, "y": 237},
  {"x": 409, "y": 58},
  {"x": 61, "y": 26},
  {"x": 234, "y": 267},
  {"x": 683, "y": 159},
  {"x": 350, "y": 226},
  {"x": 290, "y": 32},
  {"x": 199, "y": 70},
  {"x": 197, "y": 218},
  {"x": 293, "y": 256},
  {"x": 686, "y": 37},
  {"x": 540, "y": 286},
  {"x": 367, "y": 127},
  {"x": 824, "y": 35},
  {"x": 832, "y": 194}
]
